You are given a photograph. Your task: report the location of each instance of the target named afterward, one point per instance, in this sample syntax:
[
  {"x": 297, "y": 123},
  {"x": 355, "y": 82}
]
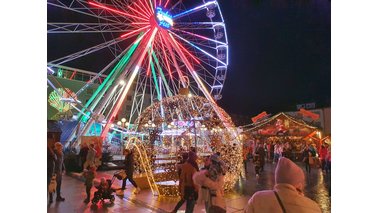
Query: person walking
[
  {"x": 51, "y": 158},
  {"x": 211, "y": 182},
  {"x": 129, "y": 169},
  {"x": 184, "y": 157},
  {"x": 306, "y": 158},
  {"x": 83, "y": 154},
  {"x": 89, "y": 176},
  {"x": 287, "y": 194},
  {"x": 261, "y": 152},
  {"x": 188, "y": 188},
  {"x": 328, "y": 160},
  {"x": 59, "y": 169},
  {"x": 91, "y": 157},
  {"x": 322, "y": 154},
  {"x": 245, "y": 158}
]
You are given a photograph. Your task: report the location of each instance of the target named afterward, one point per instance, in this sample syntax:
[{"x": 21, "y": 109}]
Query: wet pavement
[
  {"x": 73, "y": 189},
  {"x": 318, "y": 184}
]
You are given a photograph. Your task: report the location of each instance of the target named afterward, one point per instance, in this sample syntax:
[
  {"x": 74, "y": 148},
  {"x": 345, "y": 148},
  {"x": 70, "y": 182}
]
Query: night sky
[{"x": 279, "y": 54}]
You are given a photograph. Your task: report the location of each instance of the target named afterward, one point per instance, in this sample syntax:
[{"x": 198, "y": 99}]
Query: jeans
[
  {"x": 88, "y": 191},
  {"x": 131, "y": 181},
  {"x": 190, "y": 203}
]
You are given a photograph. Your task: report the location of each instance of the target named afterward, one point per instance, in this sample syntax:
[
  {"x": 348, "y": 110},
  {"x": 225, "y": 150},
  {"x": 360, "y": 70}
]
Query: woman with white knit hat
[{"x": 287, "y": 195}]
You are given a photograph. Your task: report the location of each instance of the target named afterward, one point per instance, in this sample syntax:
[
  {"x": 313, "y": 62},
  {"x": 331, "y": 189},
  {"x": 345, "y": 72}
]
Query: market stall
[{"x": 283, "y": 129}]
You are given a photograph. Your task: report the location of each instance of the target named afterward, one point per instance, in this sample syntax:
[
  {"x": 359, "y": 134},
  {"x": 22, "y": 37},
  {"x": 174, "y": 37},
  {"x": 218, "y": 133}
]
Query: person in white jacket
[
  {"x": 287, "y": 195},
  {"x": 211, "y": 190}
]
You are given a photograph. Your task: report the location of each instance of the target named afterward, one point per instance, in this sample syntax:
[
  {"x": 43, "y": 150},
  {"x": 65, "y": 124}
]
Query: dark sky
[{"x": 279, "y": 54}]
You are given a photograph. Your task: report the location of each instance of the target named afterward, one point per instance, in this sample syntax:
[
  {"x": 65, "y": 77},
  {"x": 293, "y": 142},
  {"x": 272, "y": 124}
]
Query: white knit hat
[{"x": 289, "y": 173}]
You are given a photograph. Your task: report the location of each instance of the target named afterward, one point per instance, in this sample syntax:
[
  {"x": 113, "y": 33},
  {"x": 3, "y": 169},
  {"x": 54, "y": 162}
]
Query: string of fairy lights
[{"x": 159, "y": 164}]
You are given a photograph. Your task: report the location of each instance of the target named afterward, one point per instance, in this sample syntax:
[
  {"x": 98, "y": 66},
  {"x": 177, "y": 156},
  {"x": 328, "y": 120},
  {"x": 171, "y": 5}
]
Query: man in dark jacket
[
  {"x": 129, "y": 168},
  {"x": 261, "y": 152}
]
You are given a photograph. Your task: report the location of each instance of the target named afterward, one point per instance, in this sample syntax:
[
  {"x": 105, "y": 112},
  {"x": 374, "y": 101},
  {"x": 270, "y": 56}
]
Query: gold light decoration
[{"x": 181, "y": 122}]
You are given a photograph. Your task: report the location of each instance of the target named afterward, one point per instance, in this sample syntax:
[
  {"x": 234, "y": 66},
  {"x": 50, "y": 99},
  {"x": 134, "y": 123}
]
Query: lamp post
[{"x": 123, "y": 123}]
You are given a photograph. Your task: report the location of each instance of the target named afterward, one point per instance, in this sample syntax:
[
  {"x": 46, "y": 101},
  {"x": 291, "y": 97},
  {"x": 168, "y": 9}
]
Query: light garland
[{"x": 181, "y": 114}]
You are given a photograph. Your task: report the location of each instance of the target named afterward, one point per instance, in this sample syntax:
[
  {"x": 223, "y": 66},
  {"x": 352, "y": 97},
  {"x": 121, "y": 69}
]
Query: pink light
[
  {"x": 73, "y": 74},
  {"x": 116, "y": 11},
  {"x": 165, "y": 56},
  {"x": 140, "y": 23},
  {"x": 166, "y": 3},
  {"x": 195, "y": 59},
  {"x": 135, "y": 31},
  {"x": 173, "y": 58},
  {"x": 124, "y": 92},
  {"x": 147, "y": 8},
  {"x": 138, "y": 12},
  {"x": 143, "y": 10},
  {"x": 149, "y": 65},
  {"x": 159, "y": 2}
]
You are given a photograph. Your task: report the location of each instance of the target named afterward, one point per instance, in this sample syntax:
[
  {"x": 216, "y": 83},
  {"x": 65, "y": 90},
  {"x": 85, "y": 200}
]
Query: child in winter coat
[{"x": 89, "y": 176}]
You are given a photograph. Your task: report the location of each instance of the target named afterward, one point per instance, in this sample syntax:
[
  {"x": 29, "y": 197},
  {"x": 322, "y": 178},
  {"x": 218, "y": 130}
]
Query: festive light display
[
  {"x": 55, "y": 99},
  {"x": 171, "y": 53},
  {"x": 188, "y": 122}
]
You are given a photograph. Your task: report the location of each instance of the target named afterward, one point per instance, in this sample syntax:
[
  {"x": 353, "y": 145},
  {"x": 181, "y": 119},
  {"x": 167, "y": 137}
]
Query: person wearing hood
[
  {"x": 211, "y": 182},
  {"x": 287, "y": 194}
]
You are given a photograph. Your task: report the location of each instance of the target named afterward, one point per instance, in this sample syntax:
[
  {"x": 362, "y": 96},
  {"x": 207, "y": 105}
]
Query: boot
[
  {"x": 50, "y": 198},
  {"x": 60, "y": 198},
  {"x": 137, "y": 190}
]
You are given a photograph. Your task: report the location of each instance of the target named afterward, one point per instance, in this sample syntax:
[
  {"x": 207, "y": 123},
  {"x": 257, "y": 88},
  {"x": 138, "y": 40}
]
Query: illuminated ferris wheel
[{"x": 159, "y": 48}]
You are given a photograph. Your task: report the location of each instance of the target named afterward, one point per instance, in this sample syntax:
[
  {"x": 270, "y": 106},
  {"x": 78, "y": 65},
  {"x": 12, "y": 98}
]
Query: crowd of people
[{"x": 205, "y": 185}]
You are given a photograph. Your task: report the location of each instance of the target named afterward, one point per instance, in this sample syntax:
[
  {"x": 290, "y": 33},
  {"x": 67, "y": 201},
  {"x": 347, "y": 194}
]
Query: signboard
[
  {"x": 259, "y": 117},
  {"x": 306, "y": 106}
]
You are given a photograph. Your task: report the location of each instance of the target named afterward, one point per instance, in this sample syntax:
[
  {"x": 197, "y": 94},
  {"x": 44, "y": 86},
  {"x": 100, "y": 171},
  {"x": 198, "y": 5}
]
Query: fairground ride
[{"x": 159, "y": 49}]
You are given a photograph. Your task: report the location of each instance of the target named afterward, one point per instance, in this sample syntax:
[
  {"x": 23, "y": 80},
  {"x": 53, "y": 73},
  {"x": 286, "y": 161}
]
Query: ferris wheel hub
[{"x": 163, "y": 18}]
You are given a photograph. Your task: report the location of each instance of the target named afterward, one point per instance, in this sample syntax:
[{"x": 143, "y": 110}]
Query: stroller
[{"x": 105, "y": 191}]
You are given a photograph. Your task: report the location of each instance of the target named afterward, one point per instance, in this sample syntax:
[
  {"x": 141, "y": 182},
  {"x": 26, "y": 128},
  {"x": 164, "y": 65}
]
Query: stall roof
[{"x": 267, "y": 121}]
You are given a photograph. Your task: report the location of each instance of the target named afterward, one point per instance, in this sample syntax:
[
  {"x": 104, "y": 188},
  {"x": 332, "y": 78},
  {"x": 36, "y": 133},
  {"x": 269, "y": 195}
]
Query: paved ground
[{"x": 317, "y": 188}]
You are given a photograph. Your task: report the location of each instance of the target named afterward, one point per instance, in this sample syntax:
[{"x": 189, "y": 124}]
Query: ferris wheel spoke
[
  {"x": 145, "y": 5},
  {"x": 195, "y": 9},
  {"x": 144, "y": 11},
  {"x": 164, "y": 36},
  {"x": 197, "y": 25},
  {"x": 198, "y": 48},
  {"x": 53, "y": 27},
  {"x": 117, "y": 11},
  {"x": 185, "y": 50},
  {"x": 134, "y": 32},
  {"x": 199, "y": 36},
  {"x": 137, "y": 12},
  {"x": 82, "y": 9},
  {"x": 175, "y": 5},
  {"x": 86, "y": 51}
]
